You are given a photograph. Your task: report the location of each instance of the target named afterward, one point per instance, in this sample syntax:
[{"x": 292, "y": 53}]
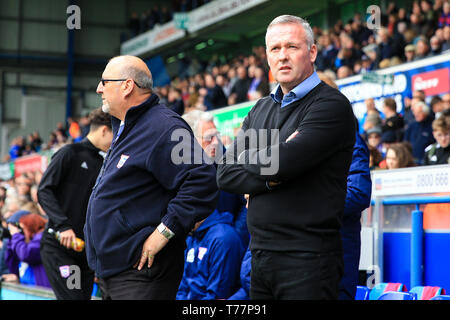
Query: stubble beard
[{"x": 105, "y": 107}]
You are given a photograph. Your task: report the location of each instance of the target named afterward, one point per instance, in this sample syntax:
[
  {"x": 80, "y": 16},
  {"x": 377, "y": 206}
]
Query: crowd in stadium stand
[
  {"x": 75, "y": 131},
  {"x": 159, "y": 14},
  {"x": 421, "y": 136}
]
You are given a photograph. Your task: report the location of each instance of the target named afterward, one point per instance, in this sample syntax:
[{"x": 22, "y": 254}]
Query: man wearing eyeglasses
[
  {"x": 143, "y": 204},
  {"x": 216, "y": 245}
]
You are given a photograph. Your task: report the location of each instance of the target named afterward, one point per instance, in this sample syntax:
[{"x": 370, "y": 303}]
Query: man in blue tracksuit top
[
  {"x": 243, "y": 293},
  {"x": 148, "y": 196},
  {"x": 212, "y": 260},
  {"x": 359, "y": 190}
]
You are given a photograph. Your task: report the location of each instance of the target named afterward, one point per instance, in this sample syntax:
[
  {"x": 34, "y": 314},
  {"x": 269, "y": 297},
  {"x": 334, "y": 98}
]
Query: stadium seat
[
  {"x": 427, "y": 292},
  {"x": 396, "y": 295},
  {"x": 362, "y": 293},
  {"x": 441, "y": 297},
  {"x": 383, "y": 287}
]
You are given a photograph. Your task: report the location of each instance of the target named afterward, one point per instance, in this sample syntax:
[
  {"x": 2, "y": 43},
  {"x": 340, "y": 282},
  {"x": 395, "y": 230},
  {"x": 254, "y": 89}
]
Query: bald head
[
  {"x": 134, "y": 68},
  {"x": 126, "y": 82}
]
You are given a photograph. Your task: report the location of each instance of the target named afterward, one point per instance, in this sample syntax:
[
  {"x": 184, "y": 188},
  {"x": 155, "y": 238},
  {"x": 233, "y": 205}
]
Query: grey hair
[
  {"x": 195, "y": 117},
  {"x": 296, "y": 20},
  {"x": 424, "y": 107},
  {"x": 139, "y": 76}
]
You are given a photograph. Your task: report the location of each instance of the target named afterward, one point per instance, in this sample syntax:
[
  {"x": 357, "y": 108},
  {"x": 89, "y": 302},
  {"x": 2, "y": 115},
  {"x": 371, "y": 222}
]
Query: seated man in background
[
  {"x": 214, "y": 247},
  {"x": 205, "y": 131}
]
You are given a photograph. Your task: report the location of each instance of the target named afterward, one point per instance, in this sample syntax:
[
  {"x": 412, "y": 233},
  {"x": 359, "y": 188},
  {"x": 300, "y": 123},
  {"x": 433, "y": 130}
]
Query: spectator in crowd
[
  {"x": 259, "y": 86},
  {"x": 410, "y": 52},
  {"x": 392, "y": 128},
  {"x": 240, "y": 88},
  {"x": 436, "y": 106},
  {"x": 84, "y": 125},
  {"x": 22, "y": 255},
  {"x": 408, "y": 115},
  {"x": 373, "y": 120},
  {"x": 384, "y": 49},
  {"x": 61, "y": 130},
  {"x": 214, "y": 96},
  {"x": 223, "y": 82},
  {"x": 367, "y": 64},
  {"x": 445, "y": 102},
  {"x": 370, "y": 108},
  {"x": 375, "y": 158},
  {"x": 398, "y": 156},
  {"x": 74, "y": 130},
  {"x": 435, "y": 45},
  {"x": 23, "y": 186},
  {"x": 430, "y": 17},
  {"x": 422, "y": 48},
  {"x": 134, "y": 25},
  {"x": 360, "y": 33},
  {"x": 439, "y": 152},
  {"x": 16, "y": 149},
  {"x": 374, "y": 138},
  {"x": 416, "y": 24},
  {"x": 165, "y": 14},
  {"x": 327, "y": 54},
  {"x": 444, "y": 18},
  {"x": 348, "y": 54},
  {"x": 64, "y": 193},
  {"x": 344, "y": 72},
  {"x": 446, "y": 36},
  {"x": 420, "y": 133},
  {"x": 175, "y": 102}
]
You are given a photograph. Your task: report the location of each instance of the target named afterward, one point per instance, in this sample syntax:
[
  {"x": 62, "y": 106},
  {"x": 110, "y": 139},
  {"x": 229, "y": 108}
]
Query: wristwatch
[{"x": 166, "y": 232}]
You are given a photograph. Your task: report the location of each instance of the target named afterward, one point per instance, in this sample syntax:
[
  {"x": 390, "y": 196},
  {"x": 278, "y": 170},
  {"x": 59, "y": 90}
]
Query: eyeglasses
[
  {"x": 209, "y": 137},
  {"x": 103, "y": 81}
]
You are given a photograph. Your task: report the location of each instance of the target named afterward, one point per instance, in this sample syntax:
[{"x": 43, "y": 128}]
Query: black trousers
[
  {"x": 295, "y": 275},
  {"x": 56, "y": 260},
  {"x": 159, "y": 282}
]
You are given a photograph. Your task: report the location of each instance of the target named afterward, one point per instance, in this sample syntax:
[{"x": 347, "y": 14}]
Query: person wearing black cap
[{"x": 64, "y": 194}]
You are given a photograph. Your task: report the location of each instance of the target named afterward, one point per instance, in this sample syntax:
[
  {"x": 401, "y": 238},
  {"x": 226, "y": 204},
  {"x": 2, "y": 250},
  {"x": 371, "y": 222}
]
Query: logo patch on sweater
[
  {"x": 65, "y": 271},
  {"x": 190, "y": 256},
  {"x": 201, "y": 252},
  {"x": 122, "y": 160}
]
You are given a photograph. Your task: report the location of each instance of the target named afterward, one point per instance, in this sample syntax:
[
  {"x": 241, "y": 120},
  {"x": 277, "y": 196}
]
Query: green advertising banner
[
  {"x": 228, "y": 120},
  {"x": 6, "y": 171}
]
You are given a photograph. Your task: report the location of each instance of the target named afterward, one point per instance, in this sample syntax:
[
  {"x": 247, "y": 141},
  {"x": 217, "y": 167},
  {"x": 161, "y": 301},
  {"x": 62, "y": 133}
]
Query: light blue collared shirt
[{"x": 297, "y": 93}]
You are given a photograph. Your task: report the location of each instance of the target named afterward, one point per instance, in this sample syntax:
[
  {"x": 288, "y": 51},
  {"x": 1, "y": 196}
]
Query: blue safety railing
[{"x": 417, "y": 232}]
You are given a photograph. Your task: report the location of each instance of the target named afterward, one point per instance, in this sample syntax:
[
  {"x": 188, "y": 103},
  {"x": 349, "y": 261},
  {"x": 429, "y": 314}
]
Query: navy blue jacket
[
  {"x": 212, "y": 261},
  {"x": 359, "y": 183},
  {"x": 235, "y": 203},
  {"x": 359, "y": 190},
  {"x": 140, "y": 186}
]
